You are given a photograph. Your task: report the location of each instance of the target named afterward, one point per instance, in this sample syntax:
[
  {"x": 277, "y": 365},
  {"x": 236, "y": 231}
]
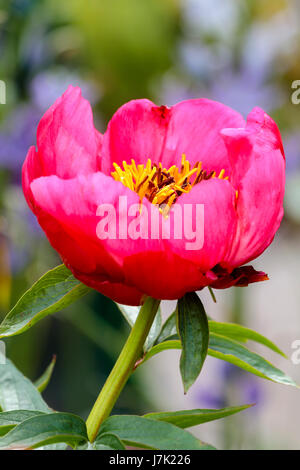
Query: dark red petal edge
[{"x": 241, "y": 277}]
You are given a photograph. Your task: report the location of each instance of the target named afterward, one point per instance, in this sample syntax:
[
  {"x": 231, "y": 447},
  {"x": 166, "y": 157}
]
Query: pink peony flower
[{"x": 198, "y": 152}]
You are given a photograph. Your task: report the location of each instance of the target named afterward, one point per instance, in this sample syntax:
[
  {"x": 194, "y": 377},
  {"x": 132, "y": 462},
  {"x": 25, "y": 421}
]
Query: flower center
[{"x": 159, "y": 185}]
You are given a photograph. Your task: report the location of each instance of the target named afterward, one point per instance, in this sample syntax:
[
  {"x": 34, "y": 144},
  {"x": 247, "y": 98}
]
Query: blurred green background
[{"x": 244, "y": 54}]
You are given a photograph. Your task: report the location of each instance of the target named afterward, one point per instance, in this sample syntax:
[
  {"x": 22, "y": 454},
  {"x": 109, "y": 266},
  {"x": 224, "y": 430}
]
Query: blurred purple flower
[
  {"x": 16, "y": 136},
  {"x": 18, "y": 132},
  {"x": 244, "y": 90},
  {"x": 47, "y": 86},
  {"x": 21, "y": 228},
  {"x": 210, "y": 399},
  {"x": 203, "y": 61},
  {"x": 230, "y": 377},
  {"x": 210, "y": 16},
  {"x": 18, "y": 258},
  {"x": 267, "y": 41},
  {"x": 291, "y": 145}
]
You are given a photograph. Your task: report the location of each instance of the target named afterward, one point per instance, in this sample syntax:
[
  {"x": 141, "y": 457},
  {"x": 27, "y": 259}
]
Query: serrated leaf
[
  {"x": 51, "y": 293},
  {"x": 10, "y": 419},
  {"x": 46, "y": 429},
  {"x": 42, "y": 382},
  {"x": 151, "y": 434},
  {"x": 194, "y": 335},
  {"x": 130, "y": 314},
  {"x": 187, "y": 418},
  {"x": 241, "y": 333}
]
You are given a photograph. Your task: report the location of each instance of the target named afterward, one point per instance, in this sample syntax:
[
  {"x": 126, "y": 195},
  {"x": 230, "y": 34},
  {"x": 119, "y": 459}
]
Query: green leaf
[
  {"x": 130, "y": 314},
  {"x": 17, "y": 392},
  {"x": 51, "y": 293},
  {"x": 212, "y": 294},
  {"x": 158, "y": 348},
  {"x": 231, "y": 351},
  {"x": 230, "y": 330},
  {"x": 241, "y": 333},
  {"x": 187, "y": 418},
  {"x": 194, "y": 334},
  {"x": 10, "y": 419},
  {"x": 235, "y": 353},
  {"x": 169, "y": 330},
  {"x": 42, "y": 382},
  {"x": 151, "y": 434},
  {"x": 46, "y": 429},
  {"x": 108, "y": 441}
]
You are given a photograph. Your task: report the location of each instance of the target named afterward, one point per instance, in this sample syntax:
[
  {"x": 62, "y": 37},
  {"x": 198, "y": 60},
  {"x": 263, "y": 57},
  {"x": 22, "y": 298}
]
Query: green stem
[{"x": 123, "y": 367}]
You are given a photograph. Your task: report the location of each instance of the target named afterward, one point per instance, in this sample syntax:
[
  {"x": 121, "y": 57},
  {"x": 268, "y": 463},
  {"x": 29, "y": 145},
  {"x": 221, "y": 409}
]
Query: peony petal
[
  {"x": 163, "y": 275},
  {"x": 67, "y": 211},
  {"x": 237, "y": 218},
  {"x": 32, "y": 169},
  {"x": 194, "y": 130},
  {"x": 258, "y": 173},
  {"x": 240, "y": 277},
  {"x": 142, "y": 130},
  {"x": 181, "y": 264},
  {"x": 67, "y": 141},
  {"x": 118, "y": 292},
  {"x": 137, "y": 130},
  {"x": 215, "y": 227}
]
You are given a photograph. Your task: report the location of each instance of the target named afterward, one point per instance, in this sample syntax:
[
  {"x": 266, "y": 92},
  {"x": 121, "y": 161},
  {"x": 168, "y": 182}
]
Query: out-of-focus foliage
[{"x": 127, "y": 45}]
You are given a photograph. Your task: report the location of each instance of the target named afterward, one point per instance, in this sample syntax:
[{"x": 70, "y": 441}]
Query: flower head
[{"x": 162, "y": 161}]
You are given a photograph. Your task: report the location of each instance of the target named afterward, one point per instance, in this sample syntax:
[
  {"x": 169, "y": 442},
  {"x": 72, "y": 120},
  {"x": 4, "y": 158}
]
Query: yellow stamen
[{"x": 160, "y": 185}]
